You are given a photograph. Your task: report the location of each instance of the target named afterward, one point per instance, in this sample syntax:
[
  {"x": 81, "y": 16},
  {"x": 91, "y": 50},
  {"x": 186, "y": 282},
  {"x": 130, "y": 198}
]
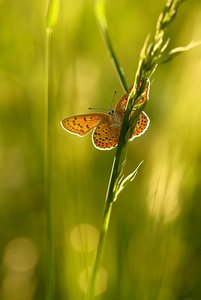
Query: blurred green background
[{"x": 153, "y": 249}]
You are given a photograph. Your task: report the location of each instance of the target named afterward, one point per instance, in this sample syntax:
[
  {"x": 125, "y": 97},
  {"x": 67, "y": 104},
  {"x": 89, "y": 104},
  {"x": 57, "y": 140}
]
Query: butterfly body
[
  {"x": 106, "y": 126},
  {"x": 116, "y": 119}
]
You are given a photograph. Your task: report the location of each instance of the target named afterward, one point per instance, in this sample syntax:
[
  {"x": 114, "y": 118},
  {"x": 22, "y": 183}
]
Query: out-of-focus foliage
[{"x": 153, "y": 250}]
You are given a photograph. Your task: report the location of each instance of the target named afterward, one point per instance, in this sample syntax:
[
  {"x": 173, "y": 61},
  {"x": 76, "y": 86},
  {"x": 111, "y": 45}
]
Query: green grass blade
[
  {"x": 101, "y": 17},
  {"x": 52, "y": 13},
  {"x": 52, "y": 16}
]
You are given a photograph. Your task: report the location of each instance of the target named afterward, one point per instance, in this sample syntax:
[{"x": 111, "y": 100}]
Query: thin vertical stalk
[
  {"x": 51, "y": 19},
  {"x": 103, "y": 233},
  {"x": 50, "y": 263},
  {"x": 110, "y": 196},
  {"x": 102, "y": 21}
]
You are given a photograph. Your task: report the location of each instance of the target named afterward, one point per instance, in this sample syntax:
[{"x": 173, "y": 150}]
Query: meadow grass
[
  {"x": 51, "y": 20},
  {"x": 152, "y": 247}
]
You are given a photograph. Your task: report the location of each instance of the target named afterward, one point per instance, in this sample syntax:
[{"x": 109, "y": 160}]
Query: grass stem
[
  {"x": 103, "y": 233},
  {"x": 51, "y": 19},
  {"x": 50, "y": 262}
]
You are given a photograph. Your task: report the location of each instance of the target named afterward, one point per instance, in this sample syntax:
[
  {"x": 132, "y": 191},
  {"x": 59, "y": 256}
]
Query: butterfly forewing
[
  {"x": 121, "y": 104},
  {"x": 82, "y": 124},
  {"x": 141, "y": 126}
]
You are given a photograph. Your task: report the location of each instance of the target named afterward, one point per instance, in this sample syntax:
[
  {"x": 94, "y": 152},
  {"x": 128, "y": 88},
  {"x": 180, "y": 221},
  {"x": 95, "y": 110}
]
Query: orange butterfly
[{"x": 107, "y": 126}]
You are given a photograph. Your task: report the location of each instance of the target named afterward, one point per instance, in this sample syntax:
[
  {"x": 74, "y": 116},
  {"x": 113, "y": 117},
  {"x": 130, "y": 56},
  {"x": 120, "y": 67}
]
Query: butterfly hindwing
[
  {"x": 104, "y": 137},
  {"x": 141, "y": 126},
  {"x": 82, "y": 124}
]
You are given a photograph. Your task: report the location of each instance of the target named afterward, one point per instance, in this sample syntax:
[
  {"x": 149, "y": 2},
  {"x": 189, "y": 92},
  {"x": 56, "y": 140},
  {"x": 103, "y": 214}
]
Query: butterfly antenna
[
  {"x": 104, "y": 109},
  {"x": 96, "y": 108},
  {"x": 113, "y": 98}
]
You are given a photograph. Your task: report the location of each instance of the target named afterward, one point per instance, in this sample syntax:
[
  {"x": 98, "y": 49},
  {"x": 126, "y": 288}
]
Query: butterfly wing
[
  {"x": 141, "y": 126},
  {"x": 82, "y": 124},
  {"x": 121, "y": 104},
  {"x": 104, "y": 136},
  {"x": 145, "y": 94}
]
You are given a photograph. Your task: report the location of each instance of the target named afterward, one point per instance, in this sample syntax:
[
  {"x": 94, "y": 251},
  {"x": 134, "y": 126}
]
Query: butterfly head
[{"x": 111, "y": 112}]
